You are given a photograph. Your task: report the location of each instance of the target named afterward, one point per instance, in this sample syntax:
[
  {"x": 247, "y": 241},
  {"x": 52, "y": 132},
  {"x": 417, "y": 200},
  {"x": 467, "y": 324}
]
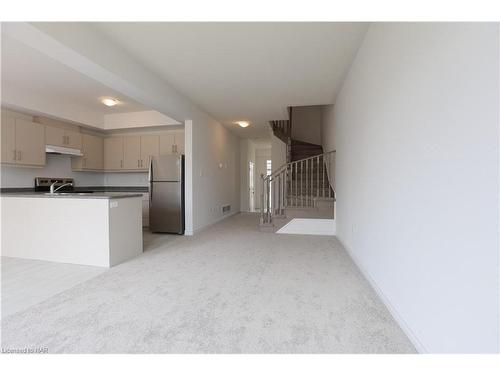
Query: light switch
[{"x": 113, "y": 204}]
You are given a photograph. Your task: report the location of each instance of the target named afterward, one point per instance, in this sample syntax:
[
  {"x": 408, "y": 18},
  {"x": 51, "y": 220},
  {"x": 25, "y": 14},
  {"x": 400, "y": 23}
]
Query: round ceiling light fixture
[
  {"x": 243, "y": 124},
  {"x": 110, "y": 102}
]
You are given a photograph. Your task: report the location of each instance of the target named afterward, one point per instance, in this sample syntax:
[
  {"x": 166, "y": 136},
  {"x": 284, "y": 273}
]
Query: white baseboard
[
  {"x": 395, "y": 314},
  {"x": 202, "y": 228}
]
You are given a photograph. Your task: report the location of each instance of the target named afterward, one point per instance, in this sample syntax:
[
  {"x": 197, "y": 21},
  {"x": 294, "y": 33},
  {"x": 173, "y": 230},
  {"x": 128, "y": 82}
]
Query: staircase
[
  {"x": 302, "y": 186},
  {"x": 303, "y": 150}
]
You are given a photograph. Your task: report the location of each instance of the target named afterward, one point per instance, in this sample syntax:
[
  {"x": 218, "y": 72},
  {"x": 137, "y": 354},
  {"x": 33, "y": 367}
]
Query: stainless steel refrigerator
[{"x": 166, "y": 194}]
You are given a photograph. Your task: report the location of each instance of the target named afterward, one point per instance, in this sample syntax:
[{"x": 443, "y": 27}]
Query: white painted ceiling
[
  {"x": 27, "y": 70},
  {"x": 244, "y": 71}
]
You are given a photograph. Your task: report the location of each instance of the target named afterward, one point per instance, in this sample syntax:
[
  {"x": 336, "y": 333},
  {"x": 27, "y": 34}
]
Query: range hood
[{"x": 50, "y": 149}]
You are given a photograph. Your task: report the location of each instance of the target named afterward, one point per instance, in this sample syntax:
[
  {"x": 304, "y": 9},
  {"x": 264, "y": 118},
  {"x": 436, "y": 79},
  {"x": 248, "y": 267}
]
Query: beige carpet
[{"x": 229, "y": 289}]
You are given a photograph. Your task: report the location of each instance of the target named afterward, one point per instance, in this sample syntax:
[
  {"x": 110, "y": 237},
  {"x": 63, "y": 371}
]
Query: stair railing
[{"x": 297, "y": 184}]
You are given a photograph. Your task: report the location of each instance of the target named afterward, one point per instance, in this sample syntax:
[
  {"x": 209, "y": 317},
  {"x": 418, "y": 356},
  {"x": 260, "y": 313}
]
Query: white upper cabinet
[
  {"x": 23, "y": 142},
  {"x": 93, "y": 154},
  {"x": 179, "y": 143},
  {"x": 30, "y": 143},
  {"x": 150, "y": 146},
  {"x": 73, "y": 139},
  {"x": 167, "y": 142},
  {"x": 113, "y": 153},
  {"x": 172, "y": 143},
  {"x": 8, "y": 140},
  {"x": 132, "y": 152},
  {"x": 62, "y": 137}
]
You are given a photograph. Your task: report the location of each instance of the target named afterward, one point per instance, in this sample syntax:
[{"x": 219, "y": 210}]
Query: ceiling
[
  {"x": 27, "y": 70},
  {"x": 244, "y": 71}
]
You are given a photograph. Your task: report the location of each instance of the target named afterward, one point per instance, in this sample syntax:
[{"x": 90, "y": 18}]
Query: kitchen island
[{"x": 97, "y": 229}]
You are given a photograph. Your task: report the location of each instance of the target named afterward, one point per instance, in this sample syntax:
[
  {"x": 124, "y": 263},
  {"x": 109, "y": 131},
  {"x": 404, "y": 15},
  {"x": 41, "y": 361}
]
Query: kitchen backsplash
[
  {"x": 125, "y": 179},
  {"x": 60, "y": 166}
]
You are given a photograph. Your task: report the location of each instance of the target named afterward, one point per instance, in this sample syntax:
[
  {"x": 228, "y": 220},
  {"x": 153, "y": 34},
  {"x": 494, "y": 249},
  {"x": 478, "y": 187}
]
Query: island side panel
[
  {"x": 125, "y": 229},
  {"x": 58, "y": 230}
]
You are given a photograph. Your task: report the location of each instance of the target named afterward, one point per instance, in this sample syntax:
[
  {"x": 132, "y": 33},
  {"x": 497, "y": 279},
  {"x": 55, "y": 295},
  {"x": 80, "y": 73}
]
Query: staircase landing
[
  {"x": 318, "y": 227},
  {"x": 323, "y": 210}
]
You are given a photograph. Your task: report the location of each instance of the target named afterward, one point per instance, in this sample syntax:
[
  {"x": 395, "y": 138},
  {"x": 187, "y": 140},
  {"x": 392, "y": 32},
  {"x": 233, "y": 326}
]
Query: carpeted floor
[{"x": 229, "y": 289}]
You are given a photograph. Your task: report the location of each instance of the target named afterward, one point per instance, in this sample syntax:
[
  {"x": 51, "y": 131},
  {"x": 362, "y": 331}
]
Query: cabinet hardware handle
[
  {"x": 19, "y": 155},
  {"x": 121, "y": 163},
  {"x": 138, "y": 163},
  {"x": 141, "y": 163},
  {"x": 14, "y": 155}
]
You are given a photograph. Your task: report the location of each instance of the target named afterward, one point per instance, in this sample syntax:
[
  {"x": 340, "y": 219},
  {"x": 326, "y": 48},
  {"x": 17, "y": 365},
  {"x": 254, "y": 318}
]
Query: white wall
[
  {"x": 416, "y": 133},
  {"x": 136, "y": 120},
  {"x": 328, "y": 128},
  {"x": 246, "y": 156},
  {"x": 278, "y": 152},
  {"x": 250, "y": 150},
  {"x": 306, "y": 124},
  {"x": 125, "y": 179},
  {"x": 216, "y": 171}
]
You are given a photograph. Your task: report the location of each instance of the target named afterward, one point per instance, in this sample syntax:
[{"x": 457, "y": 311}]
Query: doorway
[
  {"x": 262, "y": 167},
  {"x": 251, "y": 186}
]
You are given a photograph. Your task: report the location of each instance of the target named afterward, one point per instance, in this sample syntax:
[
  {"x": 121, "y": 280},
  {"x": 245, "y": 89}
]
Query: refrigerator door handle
[
  {"x": 150, "y": 178},
  {"x": 150, "y": 169}
]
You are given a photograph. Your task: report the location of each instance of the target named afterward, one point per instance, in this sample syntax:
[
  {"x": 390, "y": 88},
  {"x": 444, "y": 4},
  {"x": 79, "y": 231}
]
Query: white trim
[
  {"x": 385, "y": 300},
  {"x": 188, "y": 178},
  {"x": 202, "y": 228}
]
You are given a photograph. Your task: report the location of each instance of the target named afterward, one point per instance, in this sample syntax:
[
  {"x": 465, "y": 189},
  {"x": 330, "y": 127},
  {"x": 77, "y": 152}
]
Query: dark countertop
[
  {"x": 72, "y": 195},
  {"x": 77, "y": 189}
]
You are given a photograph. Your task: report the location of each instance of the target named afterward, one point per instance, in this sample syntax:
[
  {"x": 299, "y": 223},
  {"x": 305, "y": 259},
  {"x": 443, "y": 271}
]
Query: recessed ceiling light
[
  {"x": 243, "y": 124},
  {"x": 110, "y": 102}
]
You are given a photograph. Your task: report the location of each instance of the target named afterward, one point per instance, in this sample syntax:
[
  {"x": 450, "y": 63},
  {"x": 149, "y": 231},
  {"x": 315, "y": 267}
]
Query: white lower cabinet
[
  {"x": 145, "y": 210},
  {"x": 145, "y": 205}
]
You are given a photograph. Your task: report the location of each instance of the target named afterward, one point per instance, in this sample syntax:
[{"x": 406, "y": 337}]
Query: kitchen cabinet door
[
  {"x": 132, "y": 152},
  {"x": 113, "y": 153},
  {"x": 167, "y": 142},
  {"x": 73, "y": 139},
  {"x": 8, "y": 140},
  {"x": 150, "y": 146},
  {"x": 30, "y": 143},
  {"x": 55, "y": 136},
  {"x": 179, "y": 143},
  {"x": 93, "y": 152}
]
